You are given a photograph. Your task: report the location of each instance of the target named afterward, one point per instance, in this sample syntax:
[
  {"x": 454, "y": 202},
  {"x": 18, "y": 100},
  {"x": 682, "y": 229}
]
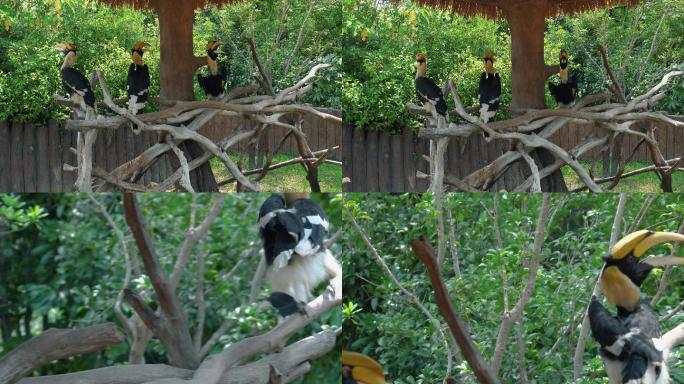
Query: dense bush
[
  {"x": 378, "y": 74},
  {"x": 29, "y": 67},
  {"x": 381, "y": 321}
]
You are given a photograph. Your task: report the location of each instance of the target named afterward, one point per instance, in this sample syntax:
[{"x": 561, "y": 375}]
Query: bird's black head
[
  {"x": 212, "y": 49},
  {"x": 65, "y": 48},
  {"x": 140, "y": 48},
  {"x": 631, "y": 267}
]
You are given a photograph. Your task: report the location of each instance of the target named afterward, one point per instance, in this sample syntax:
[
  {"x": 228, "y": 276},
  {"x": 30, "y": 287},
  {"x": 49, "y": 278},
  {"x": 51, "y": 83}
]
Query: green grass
[
  {"x": 287, "y": 179},
  {"x": 644, "y": 182}
]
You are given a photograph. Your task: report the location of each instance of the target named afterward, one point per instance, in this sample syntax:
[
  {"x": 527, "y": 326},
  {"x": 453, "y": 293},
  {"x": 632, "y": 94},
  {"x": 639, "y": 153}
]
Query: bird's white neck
[
  {"x": 489, "y": 67},
  {"x": 136, "y": 58},
  {"x": 69, "y": 60},
  {"x": 420, "y": 70},
  {"x": 213, "y": 66}
]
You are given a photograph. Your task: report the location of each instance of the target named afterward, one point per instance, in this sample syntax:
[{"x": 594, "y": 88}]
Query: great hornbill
[
  {"x": 630, "y": 341},
  {"x": 564, "y": 93},
  {"x": 75, "y": 84},
  {"x": 427, "y": 91},
  {"x": 213, "y": 84},
  {"x": 489, "y": 89},
  {"x": 293, "y": 230},
  {"x": 361, "y": 369},
  {"x": 138, "y": 85}
]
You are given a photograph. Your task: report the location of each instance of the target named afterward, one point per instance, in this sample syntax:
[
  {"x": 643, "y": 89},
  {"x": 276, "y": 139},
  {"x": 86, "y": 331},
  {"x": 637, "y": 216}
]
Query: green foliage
[
  {"x": 16, "y": 215},
  {"x": 381, "y": 321},
  {"x": 68, "y": 272},
  {"x": 378, "y": 75},
  {"x": 29, "y": 67}
]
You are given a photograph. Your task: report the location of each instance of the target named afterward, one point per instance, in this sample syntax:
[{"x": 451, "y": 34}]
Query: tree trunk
[
  {"x": 176, "y": 72},
  {"x": 529, "y": 74}
]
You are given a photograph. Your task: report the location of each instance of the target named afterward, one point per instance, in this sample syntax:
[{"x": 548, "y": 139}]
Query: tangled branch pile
[
  {"x": 182, "y": 120},
  {"x": 533, "y": 129}
]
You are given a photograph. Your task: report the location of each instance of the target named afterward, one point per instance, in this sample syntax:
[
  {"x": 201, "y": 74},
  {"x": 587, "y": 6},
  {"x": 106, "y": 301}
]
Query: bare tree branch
[{"x": 426, "y": 254}]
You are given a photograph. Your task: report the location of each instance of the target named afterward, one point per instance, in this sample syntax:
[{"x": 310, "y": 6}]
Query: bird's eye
[{"x": 631, "y": 259}]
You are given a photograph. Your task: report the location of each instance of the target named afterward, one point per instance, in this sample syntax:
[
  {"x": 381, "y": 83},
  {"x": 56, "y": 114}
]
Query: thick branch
[
  {"x": 41, "y": 349},
  {"x": 173, "y": 330}
]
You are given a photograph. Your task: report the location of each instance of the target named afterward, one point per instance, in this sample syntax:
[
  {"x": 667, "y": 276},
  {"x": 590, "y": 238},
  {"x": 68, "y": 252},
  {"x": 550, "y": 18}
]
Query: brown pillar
[
  {"x": 176, "y": 72},
  {"x": 176, "y": 66},
  {"x": 526, "y": 20}
]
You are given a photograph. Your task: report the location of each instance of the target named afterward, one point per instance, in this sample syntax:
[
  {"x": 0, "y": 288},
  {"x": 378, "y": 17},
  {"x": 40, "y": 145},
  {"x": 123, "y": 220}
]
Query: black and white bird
[
  {"x": 293, "y": 229},
  {"x": 75, "y": 83},
  {"x": 428, "y": 93},
  {"x": 138, "y": 85},
  {"x": 214, "y": 83},
  {"x": 489, "y": 89},
  {"x": 564, "y": 93},
  {"x": 631, "y": 346}
]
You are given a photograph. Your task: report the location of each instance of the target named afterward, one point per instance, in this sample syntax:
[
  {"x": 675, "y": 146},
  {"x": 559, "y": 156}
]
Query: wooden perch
[
  {"x": 182, "y": 120},
  {"x": 616, "y": 118},
  {"x": 426, "y": 254},
  {"x": 42, "y": 349}
]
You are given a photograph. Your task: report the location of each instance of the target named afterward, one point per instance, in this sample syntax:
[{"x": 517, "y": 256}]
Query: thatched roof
[
  {"x": 149, "y": 4},
  {"x": 492, "y": 9}
]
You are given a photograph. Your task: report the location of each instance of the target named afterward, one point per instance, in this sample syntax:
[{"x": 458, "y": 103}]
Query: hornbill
[
  {"x": 213, "y": 85},
  {"x": 630, "y": 341},
  {"x": 138, "y": 85},
  {"x": 564, "y": 93},
  {"x": 489, "y": 89},
  {"x": 427, "y": 91},
  {"x": 361, "y": 369},
  {"x": 75, "y": 84},
  {"x": 293, "y": 229}
]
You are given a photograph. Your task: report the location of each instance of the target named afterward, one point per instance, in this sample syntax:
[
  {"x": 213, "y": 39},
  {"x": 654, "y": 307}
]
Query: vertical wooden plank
[
  {"x": 385, "y": 169},
  {"x": 17, "y": 162},
  {"x": 69, "y": 140},
  {"x": 5, "y": 157},
  {"x": 322, "y": 127},
  {"x": 42, "y": 160},
  {"x": 679, "y": 140},
  {"x": 29, "y": 148},
  {"x": 54, "y": 156},
  {"x": 360, "y": 183},
  {"x": 371, "y": 147},
  {"x": 409, "y": 160},
  {"x": 337, "y": 128},
  {"x": 347, "y": 158},
  {"x": 397, "y": 164},
  {"x": 423, "y": 148}
]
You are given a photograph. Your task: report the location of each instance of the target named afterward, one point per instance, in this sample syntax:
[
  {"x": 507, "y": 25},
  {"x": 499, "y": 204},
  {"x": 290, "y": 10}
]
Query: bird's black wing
[
  {"x": 621, "y": 342},
  {"x": 497, "y": 84},
  {"x": 314, "y": 222},
  {"x": 553, "y": 89},
  {"x": 202, "y": 81},
  {"x": 138, "y": 82},
  {"x": 426, "y": 89},
  {"x": 74, "y": 81},
  {"x": 481, "y": 89}
]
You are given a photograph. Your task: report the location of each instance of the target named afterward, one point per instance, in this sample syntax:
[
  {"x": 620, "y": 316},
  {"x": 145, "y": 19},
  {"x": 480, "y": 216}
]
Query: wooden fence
[
  {"x": 382, "y": 162},
  {"x": 32, "y": 156}
]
